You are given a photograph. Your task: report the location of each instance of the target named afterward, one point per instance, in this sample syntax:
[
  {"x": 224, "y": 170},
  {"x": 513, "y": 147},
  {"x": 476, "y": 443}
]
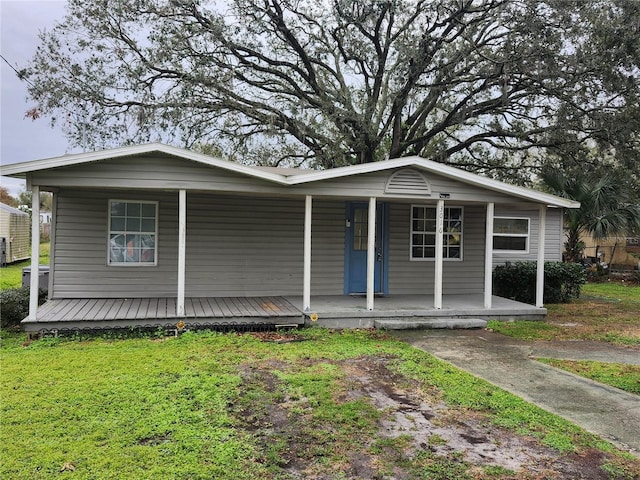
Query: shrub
[
  {"x": 517, "y": 281},
  {"x": 14, "y": 305}
]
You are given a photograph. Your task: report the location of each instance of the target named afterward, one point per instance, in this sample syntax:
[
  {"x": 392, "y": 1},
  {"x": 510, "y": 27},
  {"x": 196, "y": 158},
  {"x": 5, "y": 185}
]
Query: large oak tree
[{"x": 489, "y": 85}]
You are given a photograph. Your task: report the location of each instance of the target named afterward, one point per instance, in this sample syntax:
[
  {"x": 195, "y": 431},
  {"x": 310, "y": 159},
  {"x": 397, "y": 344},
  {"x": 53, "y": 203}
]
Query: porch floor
[
  {"x": 126, "y": 312},
  {"x": 337, "y": 311},
  {"x": 350, "y": 311}
]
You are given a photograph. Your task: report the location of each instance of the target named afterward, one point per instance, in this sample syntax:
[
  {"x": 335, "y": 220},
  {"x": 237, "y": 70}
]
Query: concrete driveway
[{"x": 510, "y": 364}]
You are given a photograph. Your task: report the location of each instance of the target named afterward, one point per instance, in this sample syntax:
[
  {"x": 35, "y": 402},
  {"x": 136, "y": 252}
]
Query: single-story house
[
  {"x": 153, "y": 234},
  {"x": 14, "y": 235}
]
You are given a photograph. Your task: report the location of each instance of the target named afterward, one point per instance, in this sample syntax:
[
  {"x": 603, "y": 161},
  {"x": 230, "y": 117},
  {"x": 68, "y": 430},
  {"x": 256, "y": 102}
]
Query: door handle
[{"x": 379, "y": 256}]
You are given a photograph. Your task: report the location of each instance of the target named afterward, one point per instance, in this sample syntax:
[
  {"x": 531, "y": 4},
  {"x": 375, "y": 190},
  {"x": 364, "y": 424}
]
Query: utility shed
[{"x": 14, "y": 234}]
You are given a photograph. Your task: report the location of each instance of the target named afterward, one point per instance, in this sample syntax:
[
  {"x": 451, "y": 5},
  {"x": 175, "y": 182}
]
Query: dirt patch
[
  {"x": 432, "y": 425},
  {"x": 278, "y": 337},
  {"x": 412, "y": 425},
  {"x": 154, "y": 440}
]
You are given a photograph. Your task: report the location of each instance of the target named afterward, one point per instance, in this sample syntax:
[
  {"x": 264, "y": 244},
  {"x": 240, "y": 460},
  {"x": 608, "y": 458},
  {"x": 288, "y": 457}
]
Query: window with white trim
[
  {"x": 423, "y": 233},
  {"x": 133, "y": 232},
  {"x": 511, "y": 234}
]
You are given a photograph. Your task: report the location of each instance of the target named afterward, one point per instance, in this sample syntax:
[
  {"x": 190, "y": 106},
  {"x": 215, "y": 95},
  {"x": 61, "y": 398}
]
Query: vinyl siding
[
  {"x": 235, "y": 246},
  {"x": 241, "y": 245},
  {"x": 80, "y": 259},
  {"x": 553, "y": 234},
  {"x": 327, "y": 247},
  {"x": 417, "y": 277},
  {"x": 167, "y": 172},
  {"x": 151, "y": 172},
  {"x": 373, "y": 185}
]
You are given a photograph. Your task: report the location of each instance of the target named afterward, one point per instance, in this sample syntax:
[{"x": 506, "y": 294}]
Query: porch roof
[{"x": 291, "y": 177}]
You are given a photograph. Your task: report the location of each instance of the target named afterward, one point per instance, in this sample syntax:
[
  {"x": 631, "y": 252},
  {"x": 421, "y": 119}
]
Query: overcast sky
[{"x": 23, "y": 139}]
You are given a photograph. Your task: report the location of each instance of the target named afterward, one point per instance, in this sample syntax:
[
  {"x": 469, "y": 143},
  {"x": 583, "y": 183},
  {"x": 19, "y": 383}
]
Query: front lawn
[
  {"x": 312, "y": 404},
  {"x": 606, "y": 312},
  {"x": 616, "y": 290},
  {"x": 622, "y": 376}
]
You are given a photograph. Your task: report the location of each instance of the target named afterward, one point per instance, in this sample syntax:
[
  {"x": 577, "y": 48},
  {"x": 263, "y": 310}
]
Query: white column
[
  {"x": 437, "y": 288},
  {"x": 488, "y": 255},
  {"x": 35, "y": 252},
  {"x": 371, "y": 252},
  {"x": 306, "y": 289},
  {"x": 182, "y": 250},
  {"x": 542, "y": 220}
]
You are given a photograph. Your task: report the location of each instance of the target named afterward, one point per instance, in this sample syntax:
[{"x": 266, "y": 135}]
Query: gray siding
[
  {"x": 239, "y": 246},
  {"x": 417, "y": 277},
  {"x": 327, "y": 248},
  {"x": 166, "y": 172},
  {"x": 373, "y": 185},
  {"x": 80, "y": 260},
  {"x": 254, "y": 246},
  {"x": 235, "y": 246},
  {"x": 553, "y": 234}
]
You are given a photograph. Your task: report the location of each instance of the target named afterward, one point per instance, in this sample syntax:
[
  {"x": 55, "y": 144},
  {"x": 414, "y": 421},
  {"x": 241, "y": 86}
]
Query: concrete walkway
[{"x": 509, "y": 363}]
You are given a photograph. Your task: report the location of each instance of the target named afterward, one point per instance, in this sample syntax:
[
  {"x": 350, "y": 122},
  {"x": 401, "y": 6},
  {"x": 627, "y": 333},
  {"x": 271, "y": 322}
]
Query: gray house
[{"x": 153, "y": 234}]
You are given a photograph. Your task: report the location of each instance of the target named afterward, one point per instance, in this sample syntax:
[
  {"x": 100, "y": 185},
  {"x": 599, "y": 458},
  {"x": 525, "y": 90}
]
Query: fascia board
[
  {"x": 440, "y": 169},
  {"x": 350, "y": 170},
  {"x": 20, "y": 170},
  {"x": 496, "y": 185}
]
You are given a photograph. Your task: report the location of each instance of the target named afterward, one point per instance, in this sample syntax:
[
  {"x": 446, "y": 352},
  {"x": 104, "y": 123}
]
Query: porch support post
[
  {"x": 182, "y": 249},
  {"x": 488, "y": 255},
  {"x": 437, "y": 287},
  {"x": 542, "y": 220},
  {"x": 306, "y": 289},
  {"x": 35, "y": 252},
  {"x": 371, "y": 252}
]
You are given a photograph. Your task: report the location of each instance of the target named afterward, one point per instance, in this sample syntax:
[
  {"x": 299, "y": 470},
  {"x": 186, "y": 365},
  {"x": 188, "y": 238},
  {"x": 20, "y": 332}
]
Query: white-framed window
[
  {"x": 423, "y": 233},
  {"x": 511, "y": 234},
  {"x": 133, "y": 233}
]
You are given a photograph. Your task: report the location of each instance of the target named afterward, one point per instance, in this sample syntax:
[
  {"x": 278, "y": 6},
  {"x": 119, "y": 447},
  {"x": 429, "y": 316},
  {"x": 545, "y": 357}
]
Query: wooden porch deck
[{"x": 126, "y": 312}]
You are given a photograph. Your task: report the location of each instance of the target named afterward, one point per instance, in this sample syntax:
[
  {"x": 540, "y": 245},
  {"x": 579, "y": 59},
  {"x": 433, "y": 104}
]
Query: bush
[
  {"x": 14, "y": 305},
  {"x": 517, "y": 281}
]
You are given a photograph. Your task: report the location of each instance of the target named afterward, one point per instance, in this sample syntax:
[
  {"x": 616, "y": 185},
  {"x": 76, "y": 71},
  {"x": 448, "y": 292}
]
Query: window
[
  {"x": 360, "y": 229},
  {"x": 511, "y": 234},
  {"x": 423, "y": 233},
  {"x": 132, "y": 232}
]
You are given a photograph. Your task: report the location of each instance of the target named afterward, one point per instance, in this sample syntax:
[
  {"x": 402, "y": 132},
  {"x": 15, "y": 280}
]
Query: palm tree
[{"x": 607, "y": 208}]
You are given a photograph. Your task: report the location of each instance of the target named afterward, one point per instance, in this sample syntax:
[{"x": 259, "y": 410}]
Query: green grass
[
  {"x": 231, "y": 407},
  {"x": 525, "y": 329},
  {"x": 11, "y": 276},
  {"x": 612, "y": 290},
  {"x": 607, "y": 312},
  {"x": 622, "y": 376}
]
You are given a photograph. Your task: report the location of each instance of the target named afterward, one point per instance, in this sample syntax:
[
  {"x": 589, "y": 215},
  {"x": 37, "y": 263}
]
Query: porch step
[{"x": 408, "y": 324}]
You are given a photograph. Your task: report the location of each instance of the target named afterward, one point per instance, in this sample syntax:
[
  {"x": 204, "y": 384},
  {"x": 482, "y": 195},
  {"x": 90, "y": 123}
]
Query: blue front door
[{"x": 356, "y": 238}]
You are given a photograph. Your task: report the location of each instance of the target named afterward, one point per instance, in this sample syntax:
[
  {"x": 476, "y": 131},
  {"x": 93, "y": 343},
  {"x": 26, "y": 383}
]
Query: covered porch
[
  {"x": 333, "y": 311},
  {"x": 372, "y": 302}
]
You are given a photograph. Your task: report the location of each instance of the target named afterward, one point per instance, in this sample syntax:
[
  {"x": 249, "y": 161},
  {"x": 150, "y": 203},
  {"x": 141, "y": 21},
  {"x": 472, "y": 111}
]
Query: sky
[{"x": 22, "y": 139}]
